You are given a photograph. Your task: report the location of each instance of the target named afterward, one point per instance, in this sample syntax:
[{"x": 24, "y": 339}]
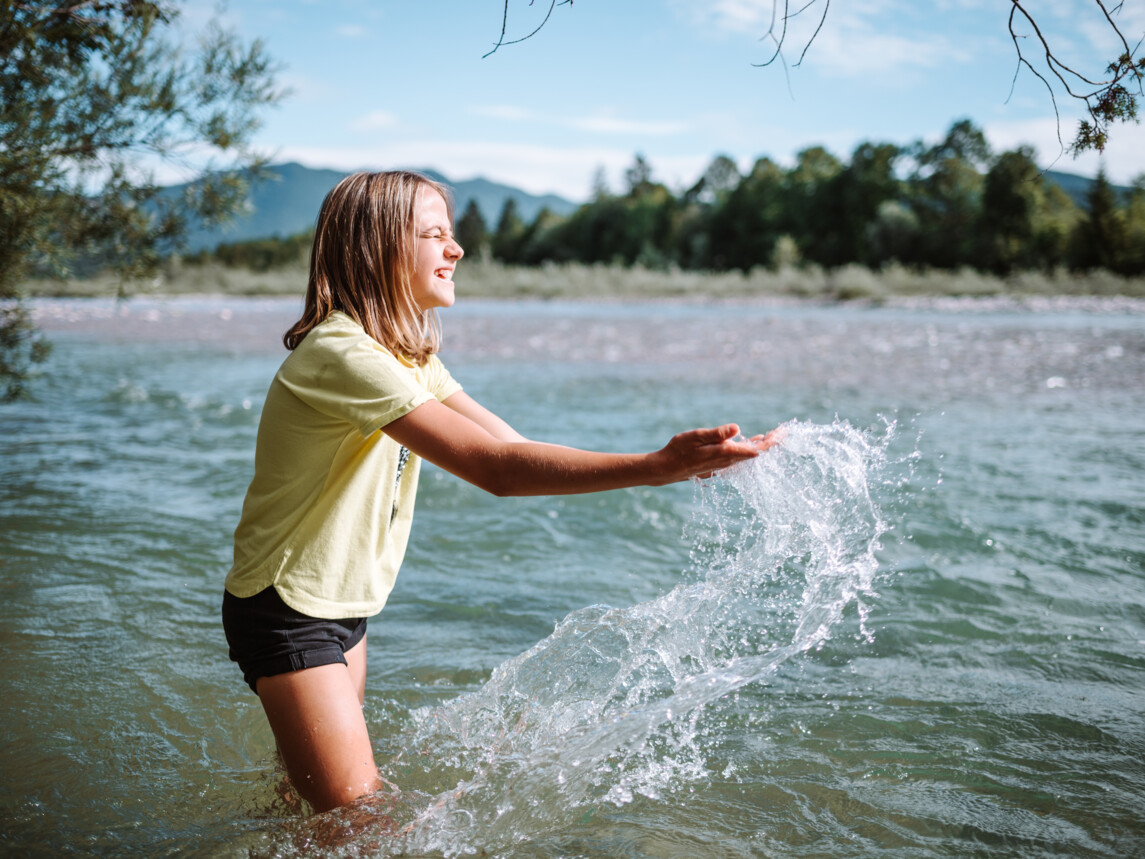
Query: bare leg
[
  {"x": 316, "y": 716},
  {"x": 356, "y": 662}
]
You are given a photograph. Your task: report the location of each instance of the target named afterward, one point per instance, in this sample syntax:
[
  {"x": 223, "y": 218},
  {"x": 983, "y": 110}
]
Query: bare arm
[
  {"x": 462, "y": 441},
  {"x": 465, "y": 405}
]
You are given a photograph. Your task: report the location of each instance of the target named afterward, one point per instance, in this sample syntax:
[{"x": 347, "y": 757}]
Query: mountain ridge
[{"x": 287, "y": 203}]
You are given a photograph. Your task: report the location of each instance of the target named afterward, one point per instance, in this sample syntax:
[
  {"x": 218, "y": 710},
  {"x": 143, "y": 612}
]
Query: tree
[
  {"x": 1009, "y": 211},
  {"x": 506, "y": 242},
  {"x": 638, "y": 177},
  {"x": 805, "y": 197},
  {"x": 1100, "y": 238},
  {"x": 1135, "y": 229},
  {"x": 94, "y": 94},
  {"x": 717, "y": 181},
  {"x": 946, "y": 196},
  {"x": 841, "y": 231},
  {"x": 745, "y": 225},
  {"x": 472, "y": 232}
]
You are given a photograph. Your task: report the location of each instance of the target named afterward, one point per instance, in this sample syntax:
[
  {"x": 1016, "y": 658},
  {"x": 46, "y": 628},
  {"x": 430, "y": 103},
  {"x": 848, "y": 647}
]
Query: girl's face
[{"x": 437, "y": 252}]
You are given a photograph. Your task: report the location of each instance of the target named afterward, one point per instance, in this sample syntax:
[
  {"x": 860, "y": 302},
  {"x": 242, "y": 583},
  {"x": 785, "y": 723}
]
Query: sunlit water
[{"x": 917, "y": 628}]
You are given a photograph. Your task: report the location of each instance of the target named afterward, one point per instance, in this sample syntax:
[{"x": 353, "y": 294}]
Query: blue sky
[{"x": 403, "y": 83}]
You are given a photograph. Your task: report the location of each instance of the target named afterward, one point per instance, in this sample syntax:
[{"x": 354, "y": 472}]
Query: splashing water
[{"x": 607, "y": 706}]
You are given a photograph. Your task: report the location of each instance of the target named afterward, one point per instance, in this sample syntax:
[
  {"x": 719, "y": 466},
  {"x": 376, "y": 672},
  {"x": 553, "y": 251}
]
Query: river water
[{"x": 915, "y": 629}]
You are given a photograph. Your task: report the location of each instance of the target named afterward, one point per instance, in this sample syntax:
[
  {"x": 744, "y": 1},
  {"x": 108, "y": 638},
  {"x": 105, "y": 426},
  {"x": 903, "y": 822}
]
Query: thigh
[
  {"x": 356, "y": 662},
  {"x": 318, "y": 724}
]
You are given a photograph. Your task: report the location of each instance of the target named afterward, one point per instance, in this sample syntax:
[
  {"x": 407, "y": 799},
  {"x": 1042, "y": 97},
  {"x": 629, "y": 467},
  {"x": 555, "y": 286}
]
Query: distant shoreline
[
  {"x": 578, "y": 282},
  {"x": 198, "y": 316}
]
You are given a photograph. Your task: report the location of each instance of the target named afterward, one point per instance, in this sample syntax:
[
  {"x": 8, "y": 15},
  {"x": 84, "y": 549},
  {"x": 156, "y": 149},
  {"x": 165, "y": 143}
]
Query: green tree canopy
[
  {"x": 472, "y": 231},
  {"x": 506, "y": 241},
  {"x": 93, "y": 97}
]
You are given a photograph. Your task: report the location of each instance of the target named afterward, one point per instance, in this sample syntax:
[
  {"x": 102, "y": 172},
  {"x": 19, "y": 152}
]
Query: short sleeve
[
  {"x": 341, "y": 372},
  {"x": 438, "y": 380}
]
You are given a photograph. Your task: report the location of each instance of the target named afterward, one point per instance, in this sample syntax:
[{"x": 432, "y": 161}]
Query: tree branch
[
  {"x": 1106, "y": 101},
  {"x": 505, "y": 21}
]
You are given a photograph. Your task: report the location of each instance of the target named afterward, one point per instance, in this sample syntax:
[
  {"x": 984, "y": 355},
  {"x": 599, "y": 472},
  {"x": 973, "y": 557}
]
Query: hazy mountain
[
  {"x": 1077, "y": 187},
  {"x": 287, "y": 204}
]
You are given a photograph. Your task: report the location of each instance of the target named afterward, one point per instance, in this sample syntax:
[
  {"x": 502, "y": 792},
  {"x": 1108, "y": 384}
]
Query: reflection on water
[{"x": 652, "y": 672}]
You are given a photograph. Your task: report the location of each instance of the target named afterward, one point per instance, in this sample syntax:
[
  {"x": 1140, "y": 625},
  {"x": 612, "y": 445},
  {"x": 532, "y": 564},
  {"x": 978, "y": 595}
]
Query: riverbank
[{"x": 487, "y": 279}]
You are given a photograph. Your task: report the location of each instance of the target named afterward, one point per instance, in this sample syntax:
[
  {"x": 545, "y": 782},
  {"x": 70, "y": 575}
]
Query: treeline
[
  {"x": 259, "y": 254},
  {"x": 948, "y": 206}
]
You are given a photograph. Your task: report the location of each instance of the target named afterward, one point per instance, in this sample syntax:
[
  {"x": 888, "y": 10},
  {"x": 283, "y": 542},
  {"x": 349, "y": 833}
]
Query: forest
[{"x": 952, "y": 205}]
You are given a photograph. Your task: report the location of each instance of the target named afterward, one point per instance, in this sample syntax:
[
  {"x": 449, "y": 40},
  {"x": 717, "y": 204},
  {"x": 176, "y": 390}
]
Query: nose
[{"x": 454, "y": 250}]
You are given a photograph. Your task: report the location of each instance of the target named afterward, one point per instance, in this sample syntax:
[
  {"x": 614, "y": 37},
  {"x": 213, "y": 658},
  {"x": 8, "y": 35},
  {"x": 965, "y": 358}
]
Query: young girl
[{"x": 359, "y": 402}]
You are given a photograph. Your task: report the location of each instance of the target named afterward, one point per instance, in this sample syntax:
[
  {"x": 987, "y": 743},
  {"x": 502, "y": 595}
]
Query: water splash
[{"x": 607, "y": 706}]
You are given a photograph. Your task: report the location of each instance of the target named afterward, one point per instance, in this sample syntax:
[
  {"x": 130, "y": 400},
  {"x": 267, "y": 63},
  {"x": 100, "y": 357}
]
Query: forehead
[{"x": 430, "y": 206}]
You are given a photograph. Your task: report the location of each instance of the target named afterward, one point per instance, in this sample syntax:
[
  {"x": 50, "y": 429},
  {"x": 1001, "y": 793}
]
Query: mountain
[
  {"x": 287, "y": 202},
  {"x": 1077, "y": 187}
]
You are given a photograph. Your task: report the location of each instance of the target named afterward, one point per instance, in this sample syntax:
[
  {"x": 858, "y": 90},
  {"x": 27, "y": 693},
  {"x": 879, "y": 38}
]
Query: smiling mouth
[{"x": 444, "y": 274}]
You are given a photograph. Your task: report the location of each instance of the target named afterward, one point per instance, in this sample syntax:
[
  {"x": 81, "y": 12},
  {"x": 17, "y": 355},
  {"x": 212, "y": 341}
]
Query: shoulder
[
  {"x": 339, "y": 339},
  {"x": 336, "y": 330}
]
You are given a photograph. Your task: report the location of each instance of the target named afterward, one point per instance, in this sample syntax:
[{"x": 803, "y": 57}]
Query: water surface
[{"x": 917, "y": 630}]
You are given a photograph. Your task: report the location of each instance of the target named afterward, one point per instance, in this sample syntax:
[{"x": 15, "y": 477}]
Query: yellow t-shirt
[{"x": 327, "y": 516}]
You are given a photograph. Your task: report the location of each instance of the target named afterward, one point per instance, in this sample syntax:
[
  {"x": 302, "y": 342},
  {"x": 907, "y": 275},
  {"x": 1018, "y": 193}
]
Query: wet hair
[{"x": 365, "y": 247}]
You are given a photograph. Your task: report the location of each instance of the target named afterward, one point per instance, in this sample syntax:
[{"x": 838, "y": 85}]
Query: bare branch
[
  {"x": 505, "y": 20},
  {"x": 1109, "y": 98},
  {"x": 818, "y": 27},
  {"x": 1106, "y": 101},
  {"x": 770, "y": 34}
]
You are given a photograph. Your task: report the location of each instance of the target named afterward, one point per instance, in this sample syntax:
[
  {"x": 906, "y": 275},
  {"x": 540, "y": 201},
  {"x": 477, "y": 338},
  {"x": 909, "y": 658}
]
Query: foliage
[
  {"x": 472, "y": 231},
  {"x": 260, "y": 254},
  {"x": 1107, "y": 99},
  {"x": 94, "y": 96},
  {"x": 951, "y": 205}
]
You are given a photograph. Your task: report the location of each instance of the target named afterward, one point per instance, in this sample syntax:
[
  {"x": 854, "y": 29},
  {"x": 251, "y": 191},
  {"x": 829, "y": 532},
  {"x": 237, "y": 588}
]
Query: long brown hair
[{"x": 363, "y": 254}]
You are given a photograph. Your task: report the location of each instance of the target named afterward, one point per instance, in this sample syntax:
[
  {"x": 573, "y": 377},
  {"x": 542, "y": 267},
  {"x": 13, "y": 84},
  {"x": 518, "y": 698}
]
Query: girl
[{"x": 359, "y": 402}]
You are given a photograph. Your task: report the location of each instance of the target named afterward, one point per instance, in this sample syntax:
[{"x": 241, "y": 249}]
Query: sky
[{"x": 406, "y": 83}]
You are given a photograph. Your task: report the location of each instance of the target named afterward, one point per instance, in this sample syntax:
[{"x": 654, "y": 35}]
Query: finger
[
  {"x": 718, "y": 435},
  {"x": 703, "y": 437},
  {"x": 763, "y": 442}
]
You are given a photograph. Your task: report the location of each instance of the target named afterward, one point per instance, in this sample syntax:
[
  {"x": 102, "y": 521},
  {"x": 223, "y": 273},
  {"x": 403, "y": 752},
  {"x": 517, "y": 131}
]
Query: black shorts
[{"x": 268, "y": 637}]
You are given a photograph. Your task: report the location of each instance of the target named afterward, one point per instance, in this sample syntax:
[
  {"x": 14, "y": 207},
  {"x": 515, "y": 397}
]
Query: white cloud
[
  {"x": 615, "y": 125},
  {"x": 861, "y": 37},
  {"x": 600, "y": 123},
  {"x": 567, "y": 171},
  {"x": 502, "y": 111},
  {"x": 741, "y": 15},
  {"x": 876, "y": 38},
  {"x": 304, "y": 88},
  {"x": 1124, "y": 157},
  {"x": 373, "y": 121},
  {"x": 352, "y": 31}
]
